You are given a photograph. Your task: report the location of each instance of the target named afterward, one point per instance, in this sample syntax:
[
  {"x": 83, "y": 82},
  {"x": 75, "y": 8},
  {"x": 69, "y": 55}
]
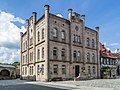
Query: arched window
[
  {"x": 38, "y": 53},
  {"x": 54, "y": 53},
  {"x": 38, "y": 36},
  {"x": 63, "y": 35},
  {"x": 79, "y": 39},
  {"x": 63, "y": 54},
  {"x": 43, "y": 52},
  {"x": 75, "y": 55},
  {"x": 43, "y": 33},
  {"x": 76, "y": 28},
  {"x": 55, "y": 33},
  {"x": 93, "y": 43},
  {"x": 88, "y": 57},
  {"x": 93, "y": 58},
  {"x": 74, "y": 38},
  {"x": 88, "y": 42},
  {"x": 79, "y": 56}
]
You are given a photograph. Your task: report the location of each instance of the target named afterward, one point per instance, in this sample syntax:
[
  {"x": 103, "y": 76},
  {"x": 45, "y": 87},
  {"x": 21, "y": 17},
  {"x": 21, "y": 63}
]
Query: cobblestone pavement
[
  {"x": 113, "y": 84},
  {"x": 97, "y": 84}
]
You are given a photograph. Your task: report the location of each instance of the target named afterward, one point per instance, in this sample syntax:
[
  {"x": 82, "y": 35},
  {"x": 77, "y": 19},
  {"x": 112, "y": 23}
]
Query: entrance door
[{"x": 77, "y": 70}]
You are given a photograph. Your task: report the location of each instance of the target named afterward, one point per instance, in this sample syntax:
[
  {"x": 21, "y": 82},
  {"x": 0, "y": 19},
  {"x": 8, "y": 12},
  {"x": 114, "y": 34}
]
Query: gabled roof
[{"x": 104, "y": 52}]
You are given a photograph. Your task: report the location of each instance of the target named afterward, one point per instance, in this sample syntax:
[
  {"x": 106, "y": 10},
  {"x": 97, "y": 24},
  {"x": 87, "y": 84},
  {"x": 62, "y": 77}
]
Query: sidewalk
[{"x": 69, "y": 87}]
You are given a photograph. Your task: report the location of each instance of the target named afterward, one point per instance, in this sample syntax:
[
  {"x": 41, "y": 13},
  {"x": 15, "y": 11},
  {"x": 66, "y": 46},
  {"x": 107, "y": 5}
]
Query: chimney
[
  {"x": 27, "y": 23},
  {"x": 70, "y": 14},
  {"x": 97, "y": 28},
  {"x": 21, "y": 33},
  {"x": 34, "y": 14},
  {"x": 46, "y": 8},
  {"x": 83, "y": 18}
]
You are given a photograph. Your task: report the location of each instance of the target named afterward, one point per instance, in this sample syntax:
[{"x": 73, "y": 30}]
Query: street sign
[{"x": 39, "y": 69}]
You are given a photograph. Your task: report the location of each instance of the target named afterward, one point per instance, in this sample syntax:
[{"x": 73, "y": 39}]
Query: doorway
[{"x": 77, "y": 70}]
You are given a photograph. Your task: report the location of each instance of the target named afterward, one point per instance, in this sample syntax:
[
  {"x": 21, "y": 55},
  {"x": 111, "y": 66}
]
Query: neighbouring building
[
  {"x": 7, "y": 71},
  {"x": 54, "y": 47},
  {"x": 117, "y": 54},
  {"x": 108, "y": 63}
]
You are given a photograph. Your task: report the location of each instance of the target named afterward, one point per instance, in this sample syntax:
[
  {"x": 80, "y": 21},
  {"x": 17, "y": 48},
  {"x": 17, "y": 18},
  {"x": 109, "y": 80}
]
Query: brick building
[{"x": 55, "y": 47}]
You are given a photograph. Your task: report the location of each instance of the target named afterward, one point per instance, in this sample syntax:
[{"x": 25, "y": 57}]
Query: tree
[{"x": 16, "y": 63}]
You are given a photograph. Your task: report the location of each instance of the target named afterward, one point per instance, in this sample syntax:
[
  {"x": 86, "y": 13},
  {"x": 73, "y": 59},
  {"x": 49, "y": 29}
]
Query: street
[
  {"x": 22, "y": 85},
  {"x": 96, "y": 84}
]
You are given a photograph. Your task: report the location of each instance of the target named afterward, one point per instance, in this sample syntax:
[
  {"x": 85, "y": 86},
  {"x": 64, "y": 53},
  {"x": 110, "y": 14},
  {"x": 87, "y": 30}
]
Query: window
[
  {"x": 55, "y": 53},
  {"x": 88, "y": 57},
  {"x": 38, "y": 66},
  {"x": 38, "y": 53},
  {"x": 93, "y": 43},
  {"x": 111, "y": 61},
  {"x": 38, "y": 36},
  {"x": 63, "y": 69},
  {"x": 63, "y": 54},
  {"x": 102, "y": 60},
  {"x": 79, "y": 56},
  {"x": 55, "y": 68},
  {"x": 26, "y": 44},
  {"x": 43, "y": 52},
  {"x": 63, "y": 35},
  {"x": 105, "y": 61},
  {"x": 74, "y": 38},
  {"x": 23, "y": 45},
  {"x": 42, "y": 69},
  {"x": 55, "y": 33},
  {"x": 32, "y": 70},
  {"x": 31, "y": 41},
  {"x": 75, "y": 55},
  {"x": 31, "y": 56},
  {"x": 25, "y": 70},
  {"x": 88, "y": 42},
  {"x": 79, "y": 40},
  {"x": 94, "y": 72},
  {"x": 23, "y": 59},
  {"x": 93, "y": 58},
  {"x": 76, "y": 28},
  {"x": 43, "y": 33},
  {"x": 89, "y": 70},
  {"x": 26, "y": 58}
]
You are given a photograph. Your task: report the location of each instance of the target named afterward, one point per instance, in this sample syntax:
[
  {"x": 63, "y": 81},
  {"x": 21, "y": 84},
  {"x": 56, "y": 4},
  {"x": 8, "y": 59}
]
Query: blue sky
[{"x": 102, "y": 13}]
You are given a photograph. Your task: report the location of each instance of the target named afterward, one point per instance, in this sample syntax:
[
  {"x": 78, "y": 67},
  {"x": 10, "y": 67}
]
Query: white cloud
[
  {"x": 114, "y": 44},
  {"x": 60, "y": 15},
  {"x": 9, "y": 55},
  {"x": 9, "y": 37}
]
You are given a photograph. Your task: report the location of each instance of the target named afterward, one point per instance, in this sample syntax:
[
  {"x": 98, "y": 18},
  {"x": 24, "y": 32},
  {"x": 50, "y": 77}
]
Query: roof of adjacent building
[
  {"x": 104, "y": 52},
  {"x": 6, "y": 66}
]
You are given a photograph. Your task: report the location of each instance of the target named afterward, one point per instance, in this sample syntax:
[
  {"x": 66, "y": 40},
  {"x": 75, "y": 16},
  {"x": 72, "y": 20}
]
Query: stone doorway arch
[{"x": 5, "y": 72}]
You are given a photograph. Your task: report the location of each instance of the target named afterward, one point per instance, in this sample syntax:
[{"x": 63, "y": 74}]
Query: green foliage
[{"x": 16, "y": 63}]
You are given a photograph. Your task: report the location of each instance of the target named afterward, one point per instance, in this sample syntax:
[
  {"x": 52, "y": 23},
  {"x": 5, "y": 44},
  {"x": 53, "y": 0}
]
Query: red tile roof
[{"x": 105, "y": 52}]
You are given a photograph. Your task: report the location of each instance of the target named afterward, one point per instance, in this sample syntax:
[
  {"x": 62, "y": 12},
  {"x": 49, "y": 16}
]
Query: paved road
[
  {"x": 27, "y": 87},
  {"x": 23, "y": 85}
]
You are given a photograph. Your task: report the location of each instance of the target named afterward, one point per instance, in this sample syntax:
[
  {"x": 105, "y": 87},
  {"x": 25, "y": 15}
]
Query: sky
[{"x": 13, "y": 13}]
